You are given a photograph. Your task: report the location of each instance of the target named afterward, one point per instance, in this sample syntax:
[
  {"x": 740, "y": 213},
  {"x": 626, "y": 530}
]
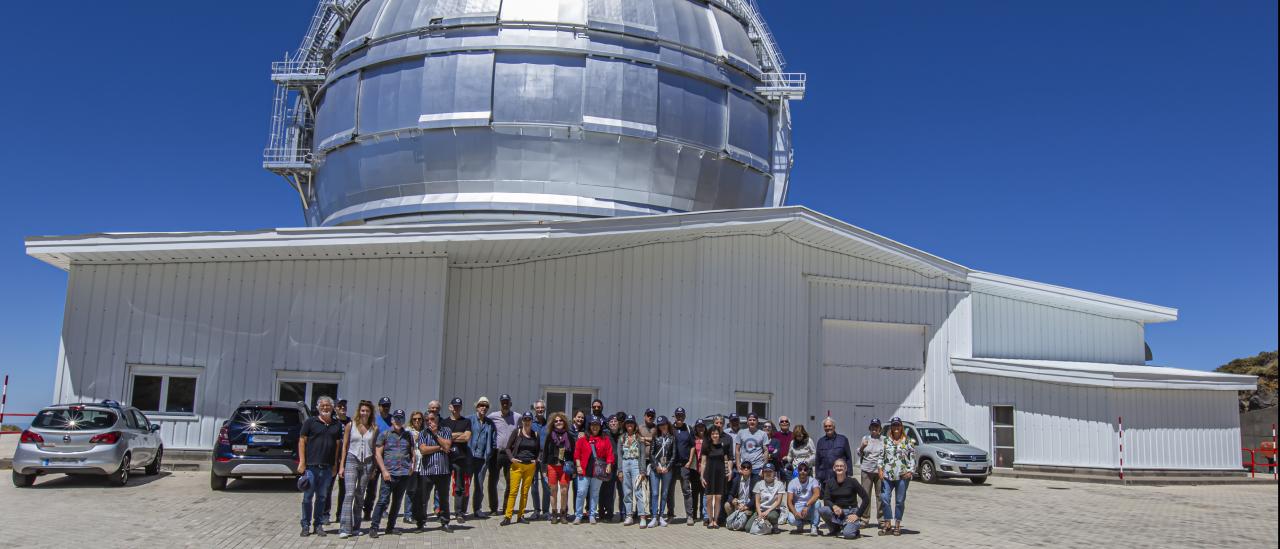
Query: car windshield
[
  {"x": 69, "y": 419},
  {"x": 262, "y": 418},
  {"x": 934, "y": 435}
]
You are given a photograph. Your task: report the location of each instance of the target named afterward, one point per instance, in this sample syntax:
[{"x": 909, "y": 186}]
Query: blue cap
[
  {"x": 398, "y": 414},
  {"x": 504, "y": 398},
  {"x": 875, "y": 422},
  {"x": 753, "y": 415},
  {"x": 767, "y": 466},
  {"x": 304, "y": 481},
  {"x": 526, "y": 415},
  {"x": 596, "y": 420},
  {"x": 895, "y": 421},
  {"x": 649, "y": 411},
  {"x": 733, "y": 416},
  {"x": 662, "y": 420},
  {"x": 455, "y": 402},
  {"x": 384, "y": 401},
  {"x": 341, "y": 402},
  {"x": 679, "y": 412},
  {"x": 630, "y": 419}
]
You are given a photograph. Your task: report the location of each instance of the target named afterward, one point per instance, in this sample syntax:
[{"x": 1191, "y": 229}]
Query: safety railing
[
  {"x": 298, "y": 71},
  {"x": 782, "y": 85},
  {"x": 286, "y": 156}
]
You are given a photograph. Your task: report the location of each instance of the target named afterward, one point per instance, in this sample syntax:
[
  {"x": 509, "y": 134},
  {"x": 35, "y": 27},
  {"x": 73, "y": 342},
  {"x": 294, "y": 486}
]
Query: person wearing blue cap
[
  {"x": 593, "y": 462},
  {"x": 394, "y": 454},
  {"x": 459, "y": 456},
  {"x": 688, "y": 478},
  {"x": 770, "y": 495},
  {"x": 522, "y": 451},
  {"x": 897, "y": 461},
  {"x": 749, "y": 444},
  {"x": 802, "y": 500},
  {"x": 869, "y": 451},
  {"x": 633, "y": 461},
  {"x": 384, "y": 424},
  {"x": 435, "y": 442},
  {"x": 662, "y": 455}
]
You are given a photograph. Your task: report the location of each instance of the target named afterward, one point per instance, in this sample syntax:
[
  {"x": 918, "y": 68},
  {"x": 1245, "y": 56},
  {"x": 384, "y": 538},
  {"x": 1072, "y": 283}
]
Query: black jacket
[{"x": 735, "y": 487}]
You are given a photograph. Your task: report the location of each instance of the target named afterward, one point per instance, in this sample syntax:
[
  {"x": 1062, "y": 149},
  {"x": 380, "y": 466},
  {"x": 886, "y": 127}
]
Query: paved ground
[{"x": 178, "y": 509}]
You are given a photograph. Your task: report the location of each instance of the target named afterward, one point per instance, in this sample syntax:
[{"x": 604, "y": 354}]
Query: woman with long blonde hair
[{"x": 357, "y": 466}]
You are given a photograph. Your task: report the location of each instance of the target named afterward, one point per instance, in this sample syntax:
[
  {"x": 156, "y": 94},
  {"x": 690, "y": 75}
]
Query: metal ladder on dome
[{"x": 775, "y": 84}]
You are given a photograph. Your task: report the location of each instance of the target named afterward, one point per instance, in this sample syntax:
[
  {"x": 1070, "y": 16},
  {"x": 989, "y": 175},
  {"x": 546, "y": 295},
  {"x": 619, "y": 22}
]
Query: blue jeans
[
  {"x": 811, "y": 520},
  {"x": 316, "y": 497},
  {"x": 659, "y": 485},
  {"x": 630, "y": 476},
  {"x": 541, "y": 491},
  {"x": 897, "y": 488},
  {"x": 846, "y": 525},
  {"x": 587, "y": 486},
  {"x": 479, "y": 467}
]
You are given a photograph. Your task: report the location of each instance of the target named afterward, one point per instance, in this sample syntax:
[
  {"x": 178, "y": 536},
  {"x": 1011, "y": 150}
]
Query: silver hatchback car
[
  {"x": 942, "y": 453},
  {"x": 90, "y": 438}
]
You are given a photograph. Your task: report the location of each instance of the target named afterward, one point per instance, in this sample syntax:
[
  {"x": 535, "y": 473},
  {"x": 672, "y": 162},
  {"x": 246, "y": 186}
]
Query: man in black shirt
[
  {"x": 459, "y": 455},
  {"x": 688, "y": 478},
  {"x": 318, "y": 452},
  {"x": 843, "y": 502}
]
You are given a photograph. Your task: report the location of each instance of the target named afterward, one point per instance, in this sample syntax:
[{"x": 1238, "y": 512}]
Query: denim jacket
[{"x": 482, "y": 436}]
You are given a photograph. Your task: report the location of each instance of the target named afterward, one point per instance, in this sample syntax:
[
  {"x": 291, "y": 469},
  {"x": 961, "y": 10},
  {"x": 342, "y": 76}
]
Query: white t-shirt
[
  {"x": 802, "y": 492},
  {"x": 770, "y": 494}
]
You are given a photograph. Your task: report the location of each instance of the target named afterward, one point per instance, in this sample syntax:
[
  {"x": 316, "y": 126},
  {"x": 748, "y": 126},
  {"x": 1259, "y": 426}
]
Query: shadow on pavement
[{"x": 57, "y": 481}]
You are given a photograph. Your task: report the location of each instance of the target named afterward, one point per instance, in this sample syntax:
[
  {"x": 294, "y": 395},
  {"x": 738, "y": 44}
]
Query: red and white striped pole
[
  {"x": 1120, "y": 420},
  {"x": 1275, "y": 458}
]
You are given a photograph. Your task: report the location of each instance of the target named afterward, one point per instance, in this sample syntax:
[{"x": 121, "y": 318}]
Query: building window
[
  {"x": 568, "y": 399},
  {"x": 307, "y": 386},
  {"x": 164, "y": 389},
  {"x": 1002, "y": 435},
  {"x": 752, "y": 403}
]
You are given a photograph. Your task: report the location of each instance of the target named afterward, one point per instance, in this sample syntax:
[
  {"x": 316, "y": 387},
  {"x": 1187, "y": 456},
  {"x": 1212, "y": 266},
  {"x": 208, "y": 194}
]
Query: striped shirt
[{"x": 436, "y": 463}]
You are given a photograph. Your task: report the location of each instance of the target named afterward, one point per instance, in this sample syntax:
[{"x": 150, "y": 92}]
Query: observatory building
[{"x": 572, "y": 199}]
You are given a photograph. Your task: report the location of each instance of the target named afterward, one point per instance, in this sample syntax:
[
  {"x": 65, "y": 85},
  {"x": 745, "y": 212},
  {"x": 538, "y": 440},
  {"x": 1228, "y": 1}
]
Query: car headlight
[{"x": 943, "y": 455}]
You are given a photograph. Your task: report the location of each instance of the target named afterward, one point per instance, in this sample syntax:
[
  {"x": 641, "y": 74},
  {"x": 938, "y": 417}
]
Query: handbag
[
  {"x": 569, "y": 465},
  {"x": 599, "y": 467}
]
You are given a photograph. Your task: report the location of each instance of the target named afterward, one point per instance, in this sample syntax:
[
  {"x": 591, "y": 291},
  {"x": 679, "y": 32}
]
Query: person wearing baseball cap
[
  {"x": 394, "y": 454},
  {"x": 802, "y": 500},
  {"x": 633, "y": 463},
  {"x": 688, "y": 478},
  {"x": 522, "y": 453},
  {"x": 870, "y": 449},
  {"x": 383, "y": 418},
  {"x": 482, "y": 449},
  {"x": 459, "y": 428},
  {"x": 340, "y": 414},
  {"x": 770, "y": 495},
  {"x": 897, "y": 462},
  {"x": 647, "y": 427},
  {"x": 750, "y": 444},
  {"x": 593, "y": 462},
  {"x": 505, "y": 421},
  {"x": 662, "y": 454}
]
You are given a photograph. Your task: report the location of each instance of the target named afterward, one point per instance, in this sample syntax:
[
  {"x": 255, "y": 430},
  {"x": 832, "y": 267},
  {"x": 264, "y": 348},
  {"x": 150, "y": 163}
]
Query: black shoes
[
  {"x": 505, "y": 522},
  {"x": 305, "y": 532},
  {"x": 446, "y": 527}
]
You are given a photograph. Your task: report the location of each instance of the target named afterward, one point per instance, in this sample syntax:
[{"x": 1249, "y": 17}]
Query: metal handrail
[
  {"x": 286, "y": 155},
  {"x": 298, "y": 67}
]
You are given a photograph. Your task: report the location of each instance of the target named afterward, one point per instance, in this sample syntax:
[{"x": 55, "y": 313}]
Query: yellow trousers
[{"x": 521, "y": 480}]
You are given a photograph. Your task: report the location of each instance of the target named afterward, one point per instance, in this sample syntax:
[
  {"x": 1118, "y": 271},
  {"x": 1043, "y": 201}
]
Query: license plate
[
  {"x": 264, "y": 439},
  {"x": 60, "y": 461},
  {"x": 239, "y": 448},
  {"x": 975, "y": 469}
]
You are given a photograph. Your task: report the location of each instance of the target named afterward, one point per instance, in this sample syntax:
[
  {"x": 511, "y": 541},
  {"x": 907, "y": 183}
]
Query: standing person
[
  {"x": 593, "y": 457},
  {"x": 830, "y": 447},
  {"x": 578, "y": 428},
  {"x": 384, "y": 424},
  {"x": 803, "y": 450},
  {"x": 784, "y": 435},
  {"x": 662, "y": 456},
  {"x": 597, "y": 411},
  {"x": 394, "y": 454},
  {"x": 540, "y": 496},
  {"x": 770, "y": 495},
  {"x": 357, "y": 466},
  {"x": 648, "y": 428},
  {"x": 609, "y": 487},
  {"x": 633, "y": 462},
  {"x": 870, "y": 450},
  {"x": 522, "y": 452},
  {"x": 687, "y": 477},
  {"x": 771, "y": 449},
  {"x": 802, "y": 500},
  {"x": 414, "y": 427},
  {"x": 741, "y": 505},
  {"x": 749, "y": 444},
  {"x": 896, "y": 463},
  {"x": 459, "y": 456},
  {"x": 340, "y": 413},
  {"x": 504, "y": 422},
  {"x": 435, "y": 443},
  {"x": 481, "y": 443},
  {"x": 735, "y": 425},
  {"x": 843, "y": 501},
  {"x": 693, "y": 472},
  {"x": 557, "y": 455},
  {"x": 318, "y": 452},
  {"x": 715, "y": 470}
]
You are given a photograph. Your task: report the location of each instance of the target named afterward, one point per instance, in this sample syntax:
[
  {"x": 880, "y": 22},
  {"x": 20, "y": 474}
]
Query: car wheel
[
  {"x": 121, "y": 476},
  {"x": 978, "y": 480},
  {"x": 154, "y": 467},
  {"x": 22, "y": 481},
  {"x": 927, "y": 473},
  {"x": 216, "y": 482}
]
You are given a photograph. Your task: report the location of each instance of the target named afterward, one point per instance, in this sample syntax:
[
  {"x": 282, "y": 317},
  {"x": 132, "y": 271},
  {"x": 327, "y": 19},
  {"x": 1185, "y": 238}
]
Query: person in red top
[{"x": 593, "y": 455}]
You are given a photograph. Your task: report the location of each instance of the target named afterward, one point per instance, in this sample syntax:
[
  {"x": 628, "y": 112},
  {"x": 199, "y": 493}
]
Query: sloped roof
[{"x": 1096, "y": 374}]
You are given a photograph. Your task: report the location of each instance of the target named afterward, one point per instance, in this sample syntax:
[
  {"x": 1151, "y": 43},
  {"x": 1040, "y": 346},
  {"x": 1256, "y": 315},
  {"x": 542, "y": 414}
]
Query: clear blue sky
[{"x": 1127, "y": 148}]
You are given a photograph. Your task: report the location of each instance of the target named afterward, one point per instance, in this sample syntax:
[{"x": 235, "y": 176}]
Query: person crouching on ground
[
  {"x": 802, "y": 499},
  {"x": 843, "y": 501},
  {"x": 394, "y": 453},
  {"x": 742, "y": 504},
  {"x": 770, "y": 495}
]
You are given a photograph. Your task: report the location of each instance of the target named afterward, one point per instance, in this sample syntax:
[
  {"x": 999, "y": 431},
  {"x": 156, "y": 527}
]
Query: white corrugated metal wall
[
  {"x": 1011, "y": 328},
  {"x": 668, "y": 324},
  {"x": 242, "y": 322}
]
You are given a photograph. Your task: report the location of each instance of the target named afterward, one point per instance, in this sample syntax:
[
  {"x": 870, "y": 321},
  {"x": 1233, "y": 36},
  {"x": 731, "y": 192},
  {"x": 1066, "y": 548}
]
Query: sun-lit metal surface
[{"x": 448, "y": 110}]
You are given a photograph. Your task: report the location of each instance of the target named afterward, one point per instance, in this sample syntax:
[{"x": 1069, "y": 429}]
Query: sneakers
[
  {"x": 446, "y": 527},
  {"x": 593, "y": 520},
  {"x": 305, "y": 532},
  {"x": 629, "y": 521},
  {"x": 577, "y": 521},
  {"x": 320, "y": 531},
  {"x": 522, "y": 520},
  {"x": 373, "y": 533},
  {"x": 343, "y": 535},
  {"x": 662, "y": 521},
  {"x": 506, "y": 521},
  {"x": 653, "y": 523},
  {"x": 689, "y": 521}
]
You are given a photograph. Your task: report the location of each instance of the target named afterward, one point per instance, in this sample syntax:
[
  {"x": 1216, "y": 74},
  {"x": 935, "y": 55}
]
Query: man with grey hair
[
  {"x": 830, "y": 447},
  {"x": 318, "y": 454},
  {"x": 541, "y": 492}
]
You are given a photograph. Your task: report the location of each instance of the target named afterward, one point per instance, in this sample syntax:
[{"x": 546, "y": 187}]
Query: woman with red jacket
[{"x": 593, "y": 455}]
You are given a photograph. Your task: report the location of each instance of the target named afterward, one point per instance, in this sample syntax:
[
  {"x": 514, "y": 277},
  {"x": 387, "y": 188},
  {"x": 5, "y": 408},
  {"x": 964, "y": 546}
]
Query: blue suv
[{"x": 260, "y": 439}]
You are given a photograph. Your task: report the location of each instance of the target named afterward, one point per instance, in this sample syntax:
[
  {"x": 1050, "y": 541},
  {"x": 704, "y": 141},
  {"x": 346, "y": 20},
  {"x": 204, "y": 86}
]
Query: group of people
[{"x": 737, "y": 473}]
